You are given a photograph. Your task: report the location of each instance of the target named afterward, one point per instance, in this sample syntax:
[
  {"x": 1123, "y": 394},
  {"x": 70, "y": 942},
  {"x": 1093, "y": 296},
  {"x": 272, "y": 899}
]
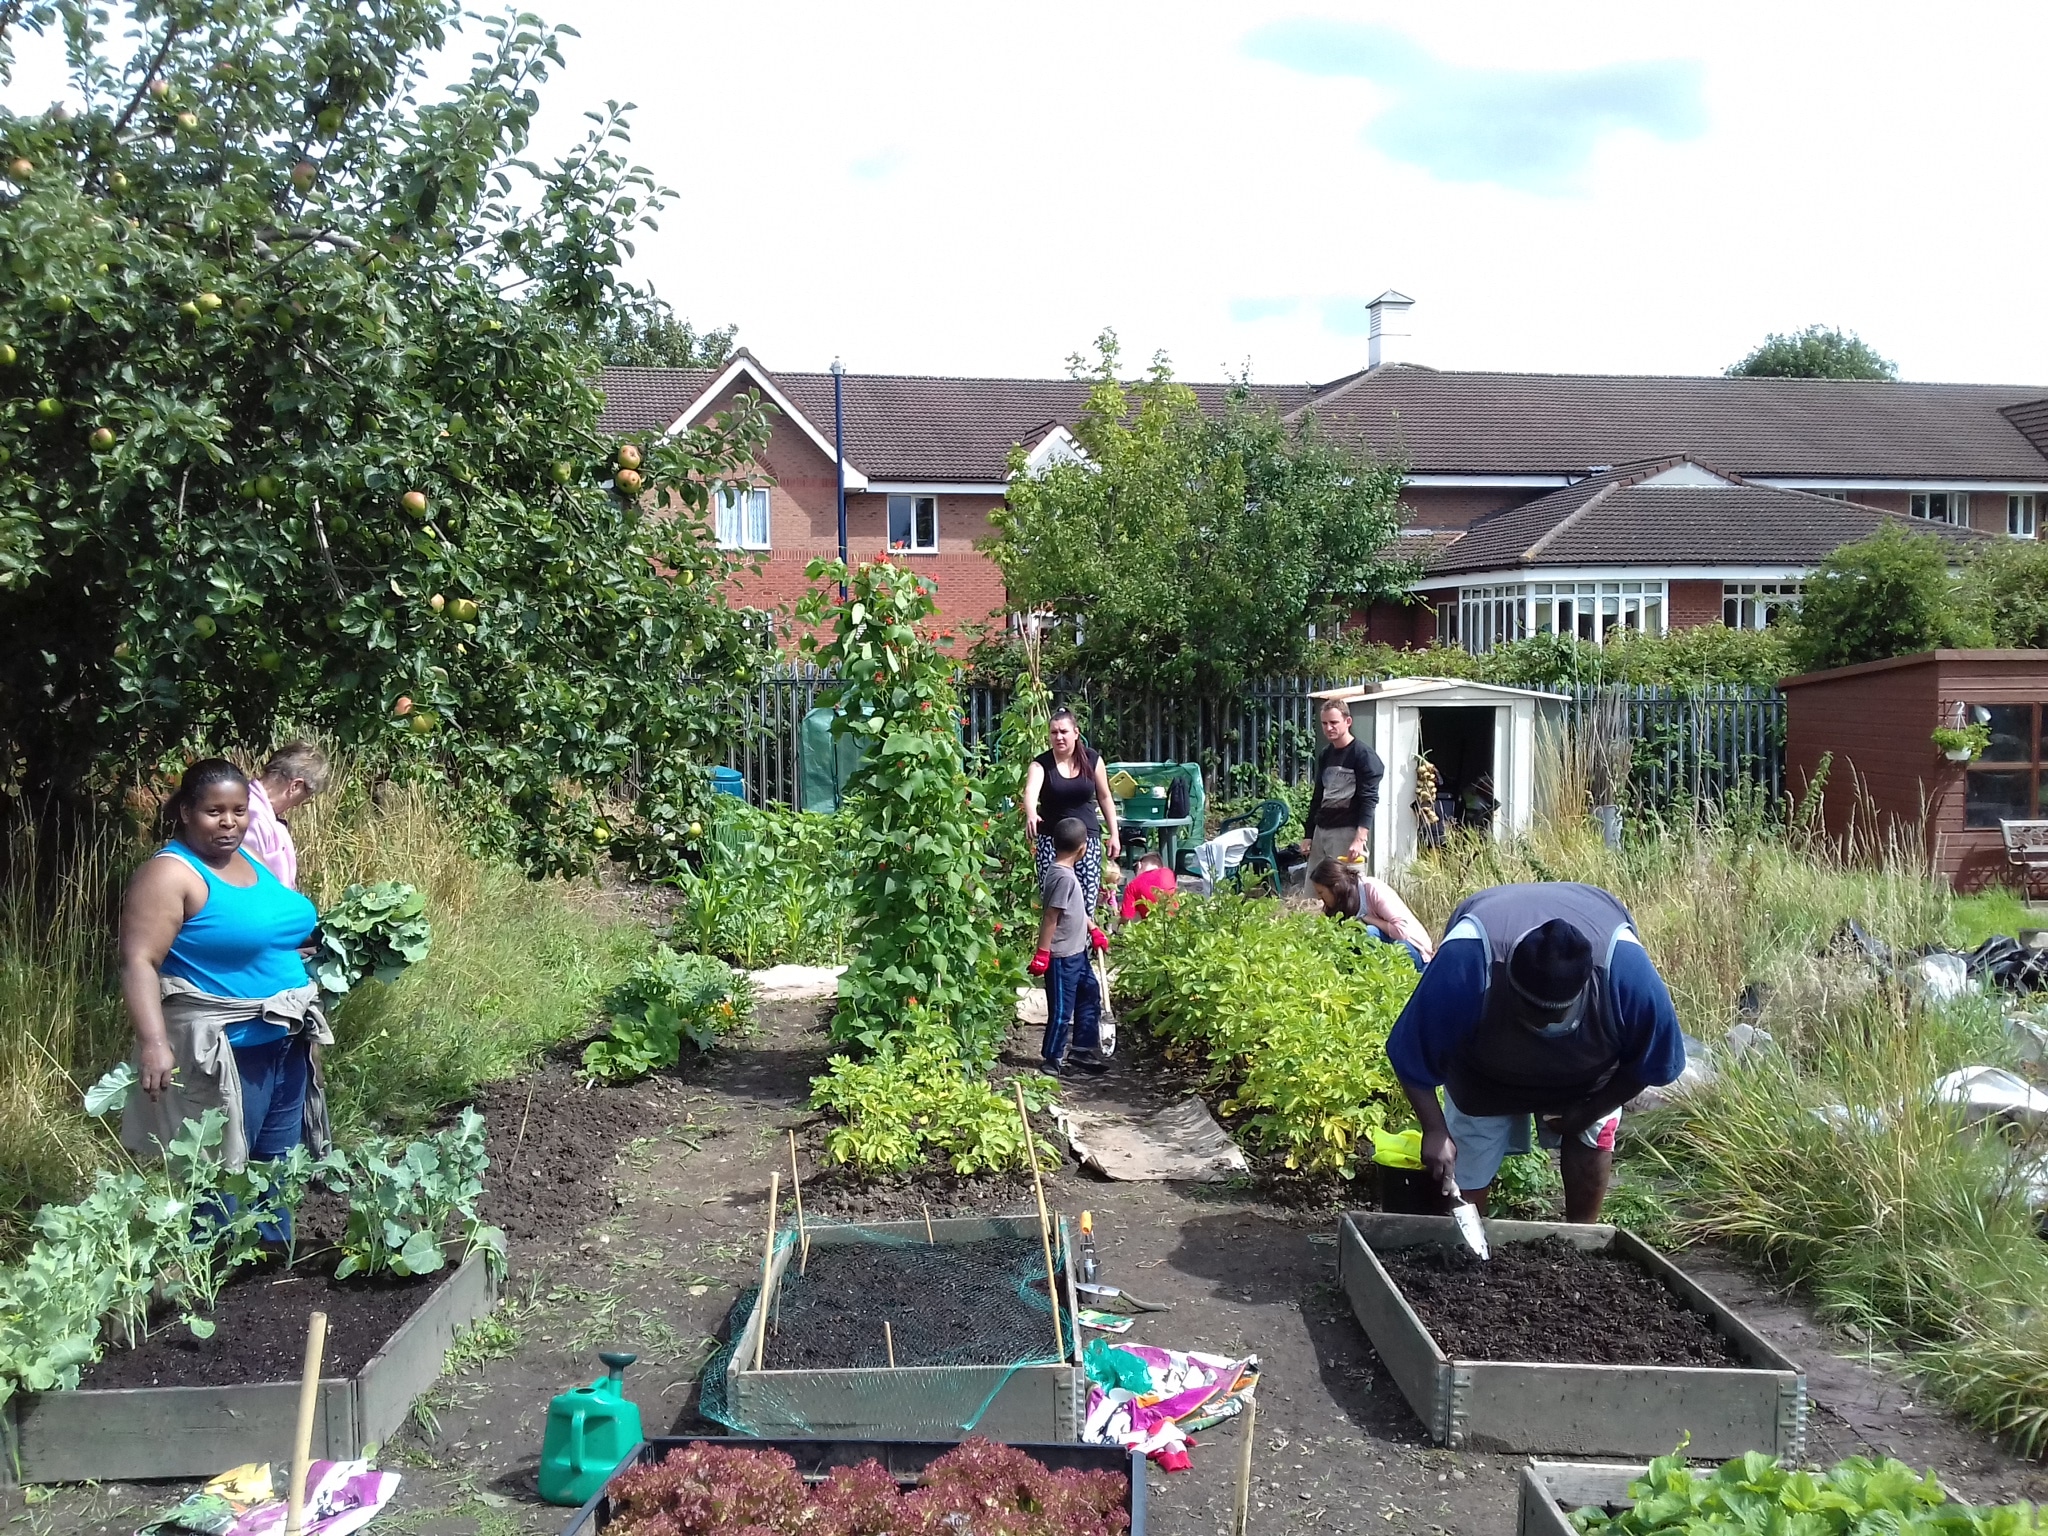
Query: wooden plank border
[{"x": 132, "y": 1433}]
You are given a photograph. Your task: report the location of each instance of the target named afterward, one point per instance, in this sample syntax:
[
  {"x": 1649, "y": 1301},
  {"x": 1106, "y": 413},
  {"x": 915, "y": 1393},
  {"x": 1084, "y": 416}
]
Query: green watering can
[{"x": 591, "y": 1429}]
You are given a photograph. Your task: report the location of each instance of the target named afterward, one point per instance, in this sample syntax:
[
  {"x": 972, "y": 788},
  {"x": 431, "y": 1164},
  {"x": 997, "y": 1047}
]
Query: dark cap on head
[{"x": 1550, "y": 967}]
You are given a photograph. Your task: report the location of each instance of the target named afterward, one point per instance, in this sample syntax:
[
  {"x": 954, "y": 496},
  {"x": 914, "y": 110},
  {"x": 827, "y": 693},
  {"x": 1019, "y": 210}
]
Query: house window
[
  {"x": 1951, "y": 507},
  {"x": 2019, "y": 516},
  {"x": 1589, "y": 610},
  {"x": 743, "y": 519},
  {"x": 1830, "y": 495},
  {"x": 2006, "y": 782},
  {"x": 914, "y": 525},
  {"x": 1757, "y": 604}
]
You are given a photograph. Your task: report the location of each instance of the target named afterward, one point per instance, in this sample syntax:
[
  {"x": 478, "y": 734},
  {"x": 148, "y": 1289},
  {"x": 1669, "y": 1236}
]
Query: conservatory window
[{"x": 1758, "y": 604}]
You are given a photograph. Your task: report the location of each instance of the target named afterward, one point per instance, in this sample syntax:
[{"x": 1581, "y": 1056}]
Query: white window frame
[
  {"x": 1490, "y": 616},
  {"x": 1758, "y": 604},
  {"x": 741, "y": 517},
  {"x": 2020, "y": 516},
  {"x": 911, "y": 547},
  {"x": 1954, "y": 507}
]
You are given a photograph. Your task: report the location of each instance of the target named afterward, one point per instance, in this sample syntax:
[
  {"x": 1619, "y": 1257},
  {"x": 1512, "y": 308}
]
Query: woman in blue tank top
[{"x": 210, "y": 953}]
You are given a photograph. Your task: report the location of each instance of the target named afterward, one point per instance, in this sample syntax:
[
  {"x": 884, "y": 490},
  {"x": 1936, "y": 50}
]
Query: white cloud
[{"x": 1034, "y": 176}]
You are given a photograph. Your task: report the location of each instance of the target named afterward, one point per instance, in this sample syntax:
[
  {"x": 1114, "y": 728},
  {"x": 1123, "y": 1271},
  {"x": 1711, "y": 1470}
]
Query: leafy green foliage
[
  {"x": 638, "y": 329},
  {"x": 400, "y": 1202},
  {"x": 667, "y": 999},
  {"x": 773, "y": 887},
  {"x": 2007, "y": 588},
  {"x": 1289, "y": 1008},
  {"x": 1703, "y": 655},
  {"x": 1195, "y": 551},
  {"x": 1818, "y": 352},
  {"x": 924, "y": 917},
  {"x": 914, "y": 1095},
  {"x": 1888, "y": 595},
  {"x": 1759, "y": 1493},
  {"x": 374, "y": 931},
  {"x": 296, "y": 424},
  {"x": 1527, "y": 1188}
]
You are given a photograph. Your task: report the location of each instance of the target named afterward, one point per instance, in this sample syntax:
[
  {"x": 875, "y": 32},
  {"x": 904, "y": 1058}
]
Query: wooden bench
[{"x": 2026, "y": 850}]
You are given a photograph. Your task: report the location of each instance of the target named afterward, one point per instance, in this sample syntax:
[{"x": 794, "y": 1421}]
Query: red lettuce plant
[{"x": 989, "y": 1489}]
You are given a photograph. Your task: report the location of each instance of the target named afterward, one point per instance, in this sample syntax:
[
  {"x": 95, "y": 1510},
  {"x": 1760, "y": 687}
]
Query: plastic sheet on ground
[
  {"x": 1182, "y": 1141},
  {"x": 1150, "y": 1399},
  {"x": 1993, "y": 1093},
  {"x": 1698, "y": 1070},
  {"x": 795, "y": 983}
]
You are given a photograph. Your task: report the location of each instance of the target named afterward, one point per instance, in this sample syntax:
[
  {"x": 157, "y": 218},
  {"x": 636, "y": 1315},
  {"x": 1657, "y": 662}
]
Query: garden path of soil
[
  {"x": 647, "y": 1219},
  {"x": 1550, "y": 1301}
]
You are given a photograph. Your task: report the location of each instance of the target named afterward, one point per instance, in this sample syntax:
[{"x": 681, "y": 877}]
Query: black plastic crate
[{"x": 905, "y": 1460}]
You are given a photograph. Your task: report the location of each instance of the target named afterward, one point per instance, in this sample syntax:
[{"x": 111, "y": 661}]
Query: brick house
[{"x": 1534, "y": 500}]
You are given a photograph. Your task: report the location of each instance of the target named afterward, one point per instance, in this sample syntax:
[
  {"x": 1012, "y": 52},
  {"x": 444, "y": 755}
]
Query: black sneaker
[{"x": 1091, "y": 1063}]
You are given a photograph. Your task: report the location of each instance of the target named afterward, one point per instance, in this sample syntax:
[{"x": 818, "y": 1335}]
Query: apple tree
[{"x": 296, "y": 427}]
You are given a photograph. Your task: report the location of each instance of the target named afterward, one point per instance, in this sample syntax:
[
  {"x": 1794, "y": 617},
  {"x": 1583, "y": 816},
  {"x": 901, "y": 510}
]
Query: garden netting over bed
[{"x": 965, "y": 1310}]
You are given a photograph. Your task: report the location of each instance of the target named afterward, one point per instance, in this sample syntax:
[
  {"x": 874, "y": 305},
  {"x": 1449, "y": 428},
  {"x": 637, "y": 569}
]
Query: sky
[{"x": 1572, "y": 186}]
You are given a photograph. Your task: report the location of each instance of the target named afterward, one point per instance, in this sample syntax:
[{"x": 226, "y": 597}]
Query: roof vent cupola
[{"x": 1388, "y": 333}]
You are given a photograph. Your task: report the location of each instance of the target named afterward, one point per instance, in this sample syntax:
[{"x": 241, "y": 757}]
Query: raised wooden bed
[
  {"x": 905, "y": 1460},
  {"x": 146, "y": 1432},
  {"x": 1020, "y": 1404},
  {"x": 1583, "y": 1410},
  {"x": 1551, "y": 1490}
]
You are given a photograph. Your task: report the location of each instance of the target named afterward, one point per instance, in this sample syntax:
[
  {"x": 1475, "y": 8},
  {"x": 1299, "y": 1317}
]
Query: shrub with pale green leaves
[{"x": 1287, "y": 1009}]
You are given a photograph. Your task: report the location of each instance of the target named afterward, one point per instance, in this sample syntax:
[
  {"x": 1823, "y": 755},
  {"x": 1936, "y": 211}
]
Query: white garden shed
[{"x": 1482, "y": 739}]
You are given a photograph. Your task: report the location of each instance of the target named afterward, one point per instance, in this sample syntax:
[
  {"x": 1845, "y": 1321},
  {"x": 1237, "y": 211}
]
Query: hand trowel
[{"x": 1466, "y": 1215}]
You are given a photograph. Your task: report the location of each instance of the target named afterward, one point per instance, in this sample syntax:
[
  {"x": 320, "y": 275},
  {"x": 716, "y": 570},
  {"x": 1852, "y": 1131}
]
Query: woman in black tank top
[{"x": 1070, "y": 780}]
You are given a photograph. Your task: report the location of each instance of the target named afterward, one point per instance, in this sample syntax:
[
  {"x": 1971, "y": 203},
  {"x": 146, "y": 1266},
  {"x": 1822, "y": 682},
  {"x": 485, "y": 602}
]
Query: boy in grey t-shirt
[{"x": 1073, "y": 1003}]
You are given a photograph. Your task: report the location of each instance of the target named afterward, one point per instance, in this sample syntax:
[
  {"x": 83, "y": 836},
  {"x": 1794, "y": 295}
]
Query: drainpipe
[{"x": 839, "y": 456}]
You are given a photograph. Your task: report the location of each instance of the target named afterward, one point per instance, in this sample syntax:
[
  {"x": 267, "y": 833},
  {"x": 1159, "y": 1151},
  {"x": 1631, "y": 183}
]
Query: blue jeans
[
  {"x": 1073, "y": 1006},
  {"x": 274, "y": 1080}
]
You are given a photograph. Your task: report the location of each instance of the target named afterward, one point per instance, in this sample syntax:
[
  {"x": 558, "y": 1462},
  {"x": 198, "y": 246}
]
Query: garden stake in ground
[{"x": 1044, "y": 1222}]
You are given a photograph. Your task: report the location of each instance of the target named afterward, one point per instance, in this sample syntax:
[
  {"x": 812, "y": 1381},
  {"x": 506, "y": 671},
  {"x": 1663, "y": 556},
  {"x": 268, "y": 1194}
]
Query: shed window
[{"x": 2006, "y": 782}]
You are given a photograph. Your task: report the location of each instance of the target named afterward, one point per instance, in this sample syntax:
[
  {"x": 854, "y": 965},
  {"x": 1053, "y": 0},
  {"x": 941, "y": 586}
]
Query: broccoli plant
[
  {"x": 400, "y": 1205},
  {"x": 666, "y": 999}
]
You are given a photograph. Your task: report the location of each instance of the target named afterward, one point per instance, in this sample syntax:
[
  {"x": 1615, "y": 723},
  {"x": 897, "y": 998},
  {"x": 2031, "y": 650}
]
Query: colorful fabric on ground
[
  {"x": 1180, "y": 1389},
  {"x": 341, "y": 1497}
]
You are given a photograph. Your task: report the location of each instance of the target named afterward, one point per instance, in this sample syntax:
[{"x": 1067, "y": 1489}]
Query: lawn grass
[
  {"x": 516, "y": 966},
  {"x": 1976, "y": 918}
]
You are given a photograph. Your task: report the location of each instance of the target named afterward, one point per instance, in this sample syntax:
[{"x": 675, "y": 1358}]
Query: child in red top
[{"x": 1152, "y": 884}]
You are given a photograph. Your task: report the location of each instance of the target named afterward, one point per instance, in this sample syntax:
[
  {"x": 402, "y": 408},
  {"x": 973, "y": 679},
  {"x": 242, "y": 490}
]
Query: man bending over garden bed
[{"x": 1541, "y": 1001}]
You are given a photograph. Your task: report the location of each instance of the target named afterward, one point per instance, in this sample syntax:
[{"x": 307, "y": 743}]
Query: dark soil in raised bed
[
  {"x": 260, "y": 1331},
  {"x": 1549, "y": 1301},
  {"x": 950, "y": 1304}
]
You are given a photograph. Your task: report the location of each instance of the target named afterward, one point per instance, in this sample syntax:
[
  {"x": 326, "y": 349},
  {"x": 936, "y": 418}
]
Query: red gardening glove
[
  {"x": 1098, "y": 938},
  {"x": 1040, "y": 963}
]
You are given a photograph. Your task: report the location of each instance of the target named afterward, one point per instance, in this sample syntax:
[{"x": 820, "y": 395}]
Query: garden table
[{"x": 1168, "y": 828}]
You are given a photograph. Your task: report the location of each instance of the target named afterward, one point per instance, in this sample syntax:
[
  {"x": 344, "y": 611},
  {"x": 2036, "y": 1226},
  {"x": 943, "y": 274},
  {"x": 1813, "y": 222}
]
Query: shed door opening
[{"x": 1458, "y": 739}]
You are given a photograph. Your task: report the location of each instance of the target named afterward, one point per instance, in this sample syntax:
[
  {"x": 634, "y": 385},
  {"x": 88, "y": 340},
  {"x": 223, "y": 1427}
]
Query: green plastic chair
[
  {"x": 1263, "y": 857},
  {"x": 1160, "y": 776}
]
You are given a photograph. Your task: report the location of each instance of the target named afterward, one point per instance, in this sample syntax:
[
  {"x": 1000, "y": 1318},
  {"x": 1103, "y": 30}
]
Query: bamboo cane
[
  {"x": 929, "y": 1240},
  {"x": 1052, "y": 1285},
  {"x": 767, "y": 1258},
  {"x": 889, "y": 1342},
  {"x": 1244, "y": 1465},
  {"x": 803, "y": 1236},
  {"x": 302, "y": 1442}
]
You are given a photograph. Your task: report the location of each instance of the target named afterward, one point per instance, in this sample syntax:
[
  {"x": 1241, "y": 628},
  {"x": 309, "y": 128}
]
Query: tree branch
[{"x": 149, "y": 74}]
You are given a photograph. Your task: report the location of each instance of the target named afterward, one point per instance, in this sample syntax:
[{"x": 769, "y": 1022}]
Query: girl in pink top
[{"x": 1344, "y": 892}]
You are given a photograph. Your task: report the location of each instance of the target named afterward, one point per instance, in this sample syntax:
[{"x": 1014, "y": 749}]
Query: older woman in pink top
[{"x": 295, "y": 773}]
